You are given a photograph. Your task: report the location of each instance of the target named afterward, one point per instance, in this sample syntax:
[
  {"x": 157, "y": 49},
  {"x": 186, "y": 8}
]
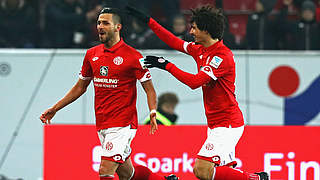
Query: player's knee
[
  {"x": 124, "y": 174},
  {"x": 203, "y": 170},
  {"x": 104, "y": 170},
  {"x": 200, "y": 172}
]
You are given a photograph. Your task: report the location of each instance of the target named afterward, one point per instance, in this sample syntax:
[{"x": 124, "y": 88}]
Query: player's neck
[
  {"x": 112, "y": 42},
  {"x": 209, "y": 42}
]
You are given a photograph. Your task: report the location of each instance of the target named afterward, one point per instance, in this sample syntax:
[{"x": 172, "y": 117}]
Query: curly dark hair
[{"x": 210, "y": 19}]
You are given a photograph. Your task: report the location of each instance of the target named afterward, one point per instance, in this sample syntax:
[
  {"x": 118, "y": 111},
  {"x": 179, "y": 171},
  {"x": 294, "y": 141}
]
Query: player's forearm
[
  {"x": 152, "y": 100},
  {"x": 151, "y": 94},
  {"x": 166, "y": 36},
  {"x": 70, "y": 97},
  {"x": 194, "y": 81}
]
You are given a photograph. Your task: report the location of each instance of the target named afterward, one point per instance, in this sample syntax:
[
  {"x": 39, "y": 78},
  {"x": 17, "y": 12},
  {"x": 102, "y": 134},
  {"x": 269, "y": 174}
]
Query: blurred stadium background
[{"x": 278, "y": 83}]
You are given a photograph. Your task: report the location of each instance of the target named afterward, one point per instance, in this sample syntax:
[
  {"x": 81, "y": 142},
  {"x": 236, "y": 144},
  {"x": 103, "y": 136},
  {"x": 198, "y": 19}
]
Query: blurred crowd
[{"x": 268, "y": 25}]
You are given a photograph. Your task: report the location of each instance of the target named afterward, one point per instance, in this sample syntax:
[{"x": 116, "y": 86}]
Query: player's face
[
  {"x": 106, "y": 28},
  {"x": 199, "y": 36}
]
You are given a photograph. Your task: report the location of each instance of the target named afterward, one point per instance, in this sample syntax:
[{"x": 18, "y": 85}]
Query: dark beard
[{"x": 108, "y": 38}]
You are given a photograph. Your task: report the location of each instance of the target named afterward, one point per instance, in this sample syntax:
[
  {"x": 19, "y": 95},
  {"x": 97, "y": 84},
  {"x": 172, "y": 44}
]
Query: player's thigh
[
  {"x": 234, "y": 136},
  {"x": 203, "y": 169},
  {"x": 125, "y": 170},
  {"x": 219, "y": 146},
  {"x": 108, "y": 167}
]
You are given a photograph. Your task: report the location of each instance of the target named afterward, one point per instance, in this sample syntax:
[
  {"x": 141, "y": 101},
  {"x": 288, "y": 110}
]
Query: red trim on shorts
[
  {"x": 210, "y": 159},
  {"x": 233, "y": 164},
  {"x": 116, "y": 158}
]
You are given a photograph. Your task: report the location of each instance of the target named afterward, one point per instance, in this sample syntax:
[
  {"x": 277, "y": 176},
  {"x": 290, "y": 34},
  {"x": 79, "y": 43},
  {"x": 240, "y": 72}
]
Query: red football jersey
[
  {"x": 220, "y": 103},
  {"x": 114, "y": 72},
  {"x": 216, "y": 61}
]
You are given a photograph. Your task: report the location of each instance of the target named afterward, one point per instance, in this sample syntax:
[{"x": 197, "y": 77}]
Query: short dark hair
[
  {"x": 116, "y": 13},
  {"x": 169, "y": 98},
  {"x": 210, "y": 19}
]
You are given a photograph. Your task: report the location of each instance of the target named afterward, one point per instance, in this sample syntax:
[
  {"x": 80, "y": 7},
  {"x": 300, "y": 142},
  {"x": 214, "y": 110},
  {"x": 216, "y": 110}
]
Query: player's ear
[{"x": 118, "y": 26}]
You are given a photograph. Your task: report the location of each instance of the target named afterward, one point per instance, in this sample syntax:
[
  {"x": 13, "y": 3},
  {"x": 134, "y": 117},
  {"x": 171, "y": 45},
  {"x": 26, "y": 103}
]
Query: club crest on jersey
[
  {"x": 118, "y": 60},
  {"x": 104, "y": 70},
  {"x": 216, "y": 61}
]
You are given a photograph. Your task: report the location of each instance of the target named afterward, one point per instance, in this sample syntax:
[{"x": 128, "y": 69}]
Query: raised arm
[
  {"x": 192, "y": 80},
  {"x": 165, "y": 35},
  {"x": 76, "y": 91}
]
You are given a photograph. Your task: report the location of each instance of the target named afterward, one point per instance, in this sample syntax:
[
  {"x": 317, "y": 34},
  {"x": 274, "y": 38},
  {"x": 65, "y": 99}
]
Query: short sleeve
[
  {"x": 217, "y": 67},
  {"x": 141, "y": 72},
  {"x": 86, "y": 69}
]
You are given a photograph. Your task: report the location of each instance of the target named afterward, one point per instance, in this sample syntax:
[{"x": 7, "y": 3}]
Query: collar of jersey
[
  {"x": 214, "y": 46},
  {"x": 113, "y": 48}
]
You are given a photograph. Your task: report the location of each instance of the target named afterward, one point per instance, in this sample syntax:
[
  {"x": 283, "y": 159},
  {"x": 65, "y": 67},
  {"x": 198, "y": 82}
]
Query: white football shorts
[
  {"x": 220, "y": 144},
  {"x": 116, "y": 142}
]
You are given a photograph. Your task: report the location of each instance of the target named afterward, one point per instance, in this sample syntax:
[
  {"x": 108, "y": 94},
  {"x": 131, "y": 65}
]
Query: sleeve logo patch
[
  {"x": 141, "y": 61},
  {"x": 208, "y": 70},
  {"x": 216, "y": 61}
]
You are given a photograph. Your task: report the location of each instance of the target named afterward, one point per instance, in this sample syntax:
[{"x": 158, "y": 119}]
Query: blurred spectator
[
  {"x": 91, "y": 33},
  {"x": 179, "y": 28},
  {"x": 167, "y": 103},
  {"x": 18, "y": 27},
  {"x": 229, "y": 39},
  {"x": 143, "y": 38},
  {"x": 120, "y": 4},
  {"x": 261, "y": 33},
  {"x": 162, "y": 11},
  {"x": 292, "y": 6},
  {"x": 301, "y": 34},
  {"x": 139, "y": 35},
  {"x": 66, "y": 22},
  {"x": 317, "y": 10}
]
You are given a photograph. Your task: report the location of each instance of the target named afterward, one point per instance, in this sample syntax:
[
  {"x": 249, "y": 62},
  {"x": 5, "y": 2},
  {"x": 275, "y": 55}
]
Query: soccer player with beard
[
  {"x": 216, "y": 77},
  {"x": 114, "y": 68}
]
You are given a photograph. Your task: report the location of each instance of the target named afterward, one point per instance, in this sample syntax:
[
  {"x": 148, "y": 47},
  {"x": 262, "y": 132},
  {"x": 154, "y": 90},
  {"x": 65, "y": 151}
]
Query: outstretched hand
[
  {"x": 155, "y": 61},
  {"x": 138, "y": 14}
]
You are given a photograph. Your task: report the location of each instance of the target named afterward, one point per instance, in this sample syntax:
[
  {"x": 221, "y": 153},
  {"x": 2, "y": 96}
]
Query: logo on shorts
[
  {"x": 109, "y": 146},
  {"x": 118, "y": 60},
  {"x": 104, "y": 70},
  {"x": 209, "y": 147},
  {"x": 216, "y": 159},
  {"x": 117, "y": 157}
]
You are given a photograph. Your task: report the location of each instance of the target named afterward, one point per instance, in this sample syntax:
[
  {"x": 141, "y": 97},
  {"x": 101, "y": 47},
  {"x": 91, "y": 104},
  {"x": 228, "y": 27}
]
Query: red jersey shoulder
[
  {"x": 132, "y": 51},
  {"x": 95, "y": 49},
  {"x": 193, "y": 48},
  {"x": 222, "y": 56},
  {"x": 94, "y": 52}
]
